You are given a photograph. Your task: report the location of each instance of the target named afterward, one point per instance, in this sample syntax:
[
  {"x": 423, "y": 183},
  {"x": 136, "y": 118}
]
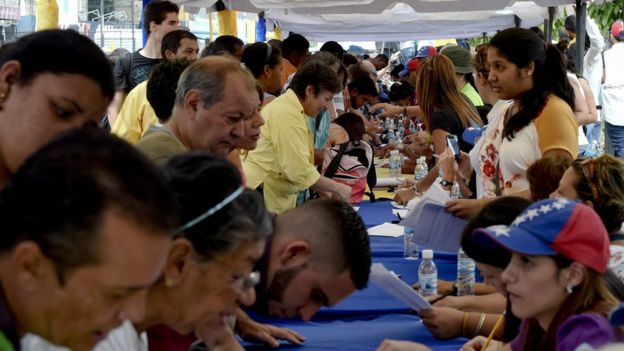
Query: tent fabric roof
[{"x": 382, "y": 20}]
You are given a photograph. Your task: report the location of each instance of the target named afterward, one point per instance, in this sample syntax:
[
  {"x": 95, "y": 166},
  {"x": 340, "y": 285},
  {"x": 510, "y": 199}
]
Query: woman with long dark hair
[{"x": 539, "y": 123}]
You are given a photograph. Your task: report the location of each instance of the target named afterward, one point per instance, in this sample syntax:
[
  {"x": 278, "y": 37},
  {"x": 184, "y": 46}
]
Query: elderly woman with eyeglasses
[
  {"x": 599, "y": 184},
  {"x": 208, "y": 272}
]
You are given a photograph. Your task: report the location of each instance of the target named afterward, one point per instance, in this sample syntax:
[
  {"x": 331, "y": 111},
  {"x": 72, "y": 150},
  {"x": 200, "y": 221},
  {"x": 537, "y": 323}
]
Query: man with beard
[{"x": 319, "y": 254}]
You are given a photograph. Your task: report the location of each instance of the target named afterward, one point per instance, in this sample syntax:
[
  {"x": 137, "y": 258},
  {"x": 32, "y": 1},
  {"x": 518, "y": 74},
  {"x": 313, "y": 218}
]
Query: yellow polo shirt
[
  {"x": 283, "y": 161},
  {"x": 135, "y": 116}
]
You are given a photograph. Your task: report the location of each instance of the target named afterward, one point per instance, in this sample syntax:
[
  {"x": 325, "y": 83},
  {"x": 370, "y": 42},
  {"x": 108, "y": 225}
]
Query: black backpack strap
[
  {"x": 371, "y": 180},
  {"x": 126, "y": 65},
  {"x": 332, "y": 168}
]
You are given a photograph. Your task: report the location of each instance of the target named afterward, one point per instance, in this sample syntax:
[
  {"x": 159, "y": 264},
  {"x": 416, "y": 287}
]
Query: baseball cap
[
  {"x": 554, "y": 226},
  {"x": 426, "y": 51},
  {"x": 616, "y": 317},
  {"x": 617, "y": 29},
  {"x": 460, "y": 57},
  {"x": 410, "y": 66}
]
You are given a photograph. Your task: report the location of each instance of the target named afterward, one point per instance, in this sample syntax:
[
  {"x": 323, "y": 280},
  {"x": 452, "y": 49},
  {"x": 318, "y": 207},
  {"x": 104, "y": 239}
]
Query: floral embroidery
[
  {"x": 488, "y": 169},
  {"x": 488, "y": 156}
]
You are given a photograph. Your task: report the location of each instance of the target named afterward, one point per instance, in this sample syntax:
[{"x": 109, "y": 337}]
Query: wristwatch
[
  {"x": 415, "y": 189},
  {"x": 445, "y": 182}
]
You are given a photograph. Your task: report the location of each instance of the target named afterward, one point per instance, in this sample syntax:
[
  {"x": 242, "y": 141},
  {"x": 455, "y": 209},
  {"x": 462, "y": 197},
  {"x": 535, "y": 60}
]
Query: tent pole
[
  {"x": 551, "y": 19},
  {"x": 581, "y": 12}
]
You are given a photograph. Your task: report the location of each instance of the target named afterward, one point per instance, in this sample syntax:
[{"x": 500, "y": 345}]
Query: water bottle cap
[{"x": 427, "y": 254}]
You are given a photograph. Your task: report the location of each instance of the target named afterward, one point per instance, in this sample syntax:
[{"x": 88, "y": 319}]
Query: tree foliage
[{"x": 606, "y": 14}]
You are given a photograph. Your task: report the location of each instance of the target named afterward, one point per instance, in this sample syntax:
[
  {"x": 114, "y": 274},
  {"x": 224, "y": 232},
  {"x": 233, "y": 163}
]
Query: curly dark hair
[{"x": 607, "y": 178}]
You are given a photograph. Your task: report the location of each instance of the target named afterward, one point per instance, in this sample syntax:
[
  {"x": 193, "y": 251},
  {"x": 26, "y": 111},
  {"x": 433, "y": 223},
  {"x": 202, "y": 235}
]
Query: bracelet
[
  {"x": 464, "y": 323},
  {"x": 480, "y": 325}
]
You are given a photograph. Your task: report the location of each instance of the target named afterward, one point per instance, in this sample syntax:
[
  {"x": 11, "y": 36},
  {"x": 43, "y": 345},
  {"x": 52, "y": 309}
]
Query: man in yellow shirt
[
  {"x": 136, "y": 114},
  {"x": 283, "y": 162}
]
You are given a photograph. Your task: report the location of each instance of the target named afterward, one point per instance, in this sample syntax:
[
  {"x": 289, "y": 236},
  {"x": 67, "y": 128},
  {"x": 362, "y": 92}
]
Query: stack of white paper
[{"x": 386, "y": 229}]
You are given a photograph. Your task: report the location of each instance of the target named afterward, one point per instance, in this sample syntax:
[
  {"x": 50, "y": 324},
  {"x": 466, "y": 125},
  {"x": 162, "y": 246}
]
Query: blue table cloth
[
  {"x": 376, "y": 213},
  {"x": 360, "y": 334},
  {"x": 366, "y": 318}
]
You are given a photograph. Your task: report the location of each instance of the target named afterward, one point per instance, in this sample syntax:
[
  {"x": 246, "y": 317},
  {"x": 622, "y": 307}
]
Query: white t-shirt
[
  {"x": 123, "y": 338},
  {"x": 613, "y": 87}
]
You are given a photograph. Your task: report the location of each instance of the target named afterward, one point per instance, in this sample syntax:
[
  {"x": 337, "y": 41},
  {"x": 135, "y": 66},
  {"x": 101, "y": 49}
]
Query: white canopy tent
[
  {"x": 401, "y": 22},
  {"x": 382, "y": 20},
  {"x": 392, "y": 20}
]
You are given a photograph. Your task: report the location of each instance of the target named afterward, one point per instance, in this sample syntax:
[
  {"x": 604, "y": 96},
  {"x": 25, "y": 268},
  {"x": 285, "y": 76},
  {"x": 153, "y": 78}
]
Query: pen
[{"x": 498, "y": 323}]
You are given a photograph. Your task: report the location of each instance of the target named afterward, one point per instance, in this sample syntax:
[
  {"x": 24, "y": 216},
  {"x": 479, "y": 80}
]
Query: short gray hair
[{"x": 208, "y": 75}]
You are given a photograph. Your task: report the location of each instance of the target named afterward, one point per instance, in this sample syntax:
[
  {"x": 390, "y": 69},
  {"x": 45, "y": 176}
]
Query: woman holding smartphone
[{"x": 445, "y": 111}]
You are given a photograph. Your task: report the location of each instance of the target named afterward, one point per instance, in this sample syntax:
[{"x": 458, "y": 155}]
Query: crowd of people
[{"x": 221, "y": 188}]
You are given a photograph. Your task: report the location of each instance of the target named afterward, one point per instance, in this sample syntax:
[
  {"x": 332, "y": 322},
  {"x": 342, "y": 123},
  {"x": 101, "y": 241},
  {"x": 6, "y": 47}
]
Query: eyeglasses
[
  {"x": 239, "y": 282},
  {"x": 589, "y": 171}
]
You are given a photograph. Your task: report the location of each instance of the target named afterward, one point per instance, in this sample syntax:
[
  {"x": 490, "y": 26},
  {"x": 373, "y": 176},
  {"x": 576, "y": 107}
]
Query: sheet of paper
[
  {"x": 383, "y": 182},
  {"x": 434, "y": 228},
  {"x": 436, "y": 194},
  {"x": 386, "y": 229},
  {"x": 394, "y": 286}
]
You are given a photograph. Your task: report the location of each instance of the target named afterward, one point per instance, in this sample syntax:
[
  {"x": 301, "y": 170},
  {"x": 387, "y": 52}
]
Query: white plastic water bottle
[
  {"x": 391, "y": 137},
  {"x": 395, "y": 163},
  {"x": 428, "y": 274},
  {"x": 465, "y": 274},
  {"x": 455, "y": 192},
  {"x": 400, "y": 132},
  {"x": 420, "y": 170},
  {"x": 410, "y": 248}
]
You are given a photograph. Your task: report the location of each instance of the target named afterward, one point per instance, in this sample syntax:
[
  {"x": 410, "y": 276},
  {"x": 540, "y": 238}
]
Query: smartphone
[{"x": 453, "y": 144}]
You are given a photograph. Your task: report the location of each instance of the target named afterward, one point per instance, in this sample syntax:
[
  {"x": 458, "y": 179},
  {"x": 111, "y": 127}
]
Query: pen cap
[{"x": 427, "y": 254}]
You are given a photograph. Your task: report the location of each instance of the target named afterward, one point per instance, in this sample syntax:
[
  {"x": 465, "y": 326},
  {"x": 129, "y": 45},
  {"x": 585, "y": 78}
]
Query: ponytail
[{"x": 522, "y": 46}]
